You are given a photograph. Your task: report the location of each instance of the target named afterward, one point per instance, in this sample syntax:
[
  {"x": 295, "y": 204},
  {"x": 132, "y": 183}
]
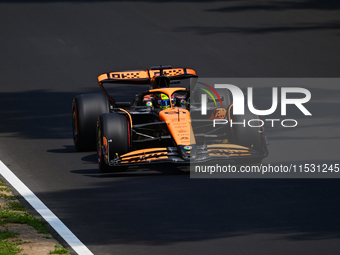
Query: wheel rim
[
  {"x": 99, "y": 146},
  {"x": 75, "y": 124}
]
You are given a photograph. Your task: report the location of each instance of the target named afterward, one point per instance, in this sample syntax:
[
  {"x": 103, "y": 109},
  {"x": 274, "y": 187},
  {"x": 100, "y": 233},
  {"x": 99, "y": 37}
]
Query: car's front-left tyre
[{"x": 249, "y": 136}]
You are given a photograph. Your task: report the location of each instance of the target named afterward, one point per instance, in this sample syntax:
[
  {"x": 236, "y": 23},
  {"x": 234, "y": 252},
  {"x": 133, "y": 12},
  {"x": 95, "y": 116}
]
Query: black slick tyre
[
  {"x": 246, "y": 135},
  {"x": 86, "y": 109},
  {"x": 113, "y": 139}
]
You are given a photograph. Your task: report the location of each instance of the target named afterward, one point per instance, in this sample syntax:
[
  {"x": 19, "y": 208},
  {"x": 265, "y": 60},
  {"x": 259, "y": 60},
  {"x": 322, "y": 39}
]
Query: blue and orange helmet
[{"x": 163, "y": 101}]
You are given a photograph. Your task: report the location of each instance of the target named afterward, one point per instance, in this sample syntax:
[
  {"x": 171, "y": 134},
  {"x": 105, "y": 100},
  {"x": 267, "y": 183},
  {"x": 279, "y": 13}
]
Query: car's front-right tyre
[{"x": 113, "y": 140}]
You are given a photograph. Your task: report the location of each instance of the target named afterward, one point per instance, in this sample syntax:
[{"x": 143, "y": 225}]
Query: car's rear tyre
[
  {"x": 113, "y": 139},
  {"x": 86, "y": 109},
  {"x": 246, "y": 135}
]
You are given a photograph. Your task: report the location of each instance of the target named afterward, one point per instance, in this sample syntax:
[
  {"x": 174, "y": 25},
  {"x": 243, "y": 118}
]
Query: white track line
[{"x": 46, "y": 213}]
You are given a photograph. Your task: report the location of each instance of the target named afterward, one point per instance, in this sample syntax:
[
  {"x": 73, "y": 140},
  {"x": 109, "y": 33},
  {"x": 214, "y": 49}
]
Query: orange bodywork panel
[
  {"x": 102, "y": 77},
  {"x": 129, "y": 75},
  {"x": 179, "y": 125},
  {"x": 172, "y": 72},
  {"x": 133, "y": 153},
  {"x": 148, "y": 157},
  {"x": 218, "y": 113},
  {"x": 191, "y": 71},
  {"x": 167, "y": 72},
  {"x": 144, "y": 155},
  {"x": 144, "y": 74},
  {"x": 124, "y": 75},
  {"x": 228, "y": 149}
]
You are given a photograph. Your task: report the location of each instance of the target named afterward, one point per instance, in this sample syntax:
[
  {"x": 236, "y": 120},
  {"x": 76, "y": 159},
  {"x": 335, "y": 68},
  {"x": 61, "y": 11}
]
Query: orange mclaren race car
[{"x": 162, "y": 124}]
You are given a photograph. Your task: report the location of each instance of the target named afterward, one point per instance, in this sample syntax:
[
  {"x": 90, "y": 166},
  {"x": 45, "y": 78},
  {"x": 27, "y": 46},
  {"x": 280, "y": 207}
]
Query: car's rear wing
[{"x": 143, "y": 77}]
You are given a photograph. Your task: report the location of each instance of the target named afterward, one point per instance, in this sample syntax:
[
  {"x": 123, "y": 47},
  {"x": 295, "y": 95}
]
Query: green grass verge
[
  {"x": 8, "y": 197},
  {"x": 7, "y": 216},
  {"x": 14, "y": 212},
  {"x": 58, "y": 249},
  {"x": 15, "y": 206},
  {"x": 9, "y": 247}
]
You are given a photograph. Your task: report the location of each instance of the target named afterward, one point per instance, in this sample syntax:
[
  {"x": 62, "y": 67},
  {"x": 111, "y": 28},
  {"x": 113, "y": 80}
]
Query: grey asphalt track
[{"x": 51, "y": 51}]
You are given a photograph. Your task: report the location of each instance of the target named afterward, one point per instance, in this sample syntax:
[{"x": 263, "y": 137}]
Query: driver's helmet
[{"x": 163, "y": 101}]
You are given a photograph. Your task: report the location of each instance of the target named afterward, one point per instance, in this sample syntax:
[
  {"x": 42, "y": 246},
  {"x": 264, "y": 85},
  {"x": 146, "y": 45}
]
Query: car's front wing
[{"x": 230, "y": 152}]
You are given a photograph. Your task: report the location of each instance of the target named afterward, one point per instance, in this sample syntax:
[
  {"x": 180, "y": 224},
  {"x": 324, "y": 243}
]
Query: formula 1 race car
[{"x": 163, "y": 124}]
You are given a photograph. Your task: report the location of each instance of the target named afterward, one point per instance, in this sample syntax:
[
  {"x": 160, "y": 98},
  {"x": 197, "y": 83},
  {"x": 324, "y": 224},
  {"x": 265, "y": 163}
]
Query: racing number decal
[{"x": 218, "y": 113}]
